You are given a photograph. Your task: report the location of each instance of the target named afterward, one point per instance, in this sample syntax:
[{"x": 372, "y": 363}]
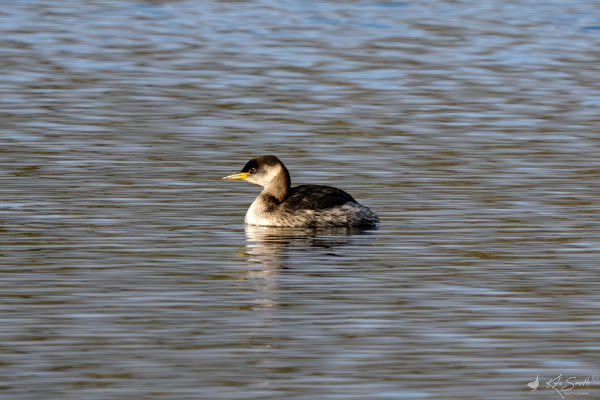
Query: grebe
[{"x": 279, "y": 204}]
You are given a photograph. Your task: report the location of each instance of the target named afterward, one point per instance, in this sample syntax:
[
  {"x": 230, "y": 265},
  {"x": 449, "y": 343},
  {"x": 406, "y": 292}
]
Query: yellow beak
[{"x": 236, "y": 177}]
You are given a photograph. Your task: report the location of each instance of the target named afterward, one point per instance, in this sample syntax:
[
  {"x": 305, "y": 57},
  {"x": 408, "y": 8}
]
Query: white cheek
[
  {"x": 268, "y": 177},
  {"x": 253, "y": 179},
  {"x": 265, "y": 178}
]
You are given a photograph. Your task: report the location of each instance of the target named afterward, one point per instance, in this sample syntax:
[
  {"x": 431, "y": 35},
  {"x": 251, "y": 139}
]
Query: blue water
[{"x": 469, "y": 127}]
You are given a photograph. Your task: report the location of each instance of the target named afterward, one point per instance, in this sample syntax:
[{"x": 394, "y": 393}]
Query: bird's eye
[{"x": 252, "y": 170}]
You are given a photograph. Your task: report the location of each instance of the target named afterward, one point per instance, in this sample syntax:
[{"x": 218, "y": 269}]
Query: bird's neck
[{"x": 279, "y": 187}]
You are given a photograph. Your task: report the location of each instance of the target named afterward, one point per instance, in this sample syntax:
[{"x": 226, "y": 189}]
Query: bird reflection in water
[
  {"x": 273, "y": 246},
  {"x": 276, "y": 249}
]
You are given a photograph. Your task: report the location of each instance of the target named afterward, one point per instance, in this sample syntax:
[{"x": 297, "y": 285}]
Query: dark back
[{"x": 316, "y": 197}]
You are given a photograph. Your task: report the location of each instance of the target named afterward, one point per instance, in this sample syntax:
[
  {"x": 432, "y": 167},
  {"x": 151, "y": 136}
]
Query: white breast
[{"x": 256, "y": 215}]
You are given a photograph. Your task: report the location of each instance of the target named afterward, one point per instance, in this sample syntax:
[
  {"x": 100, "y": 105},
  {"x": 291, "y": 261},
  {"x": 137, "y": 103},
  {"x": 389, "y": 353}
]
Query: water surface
[{"x": 471, "y": 128}]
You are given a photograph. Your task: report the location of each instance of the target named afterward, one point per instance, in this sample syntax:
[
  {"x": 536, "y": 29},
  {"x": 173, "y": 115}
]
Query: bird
[
  {"x": 534, "y": 385},
  {"x": 309, "y": 206}
]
